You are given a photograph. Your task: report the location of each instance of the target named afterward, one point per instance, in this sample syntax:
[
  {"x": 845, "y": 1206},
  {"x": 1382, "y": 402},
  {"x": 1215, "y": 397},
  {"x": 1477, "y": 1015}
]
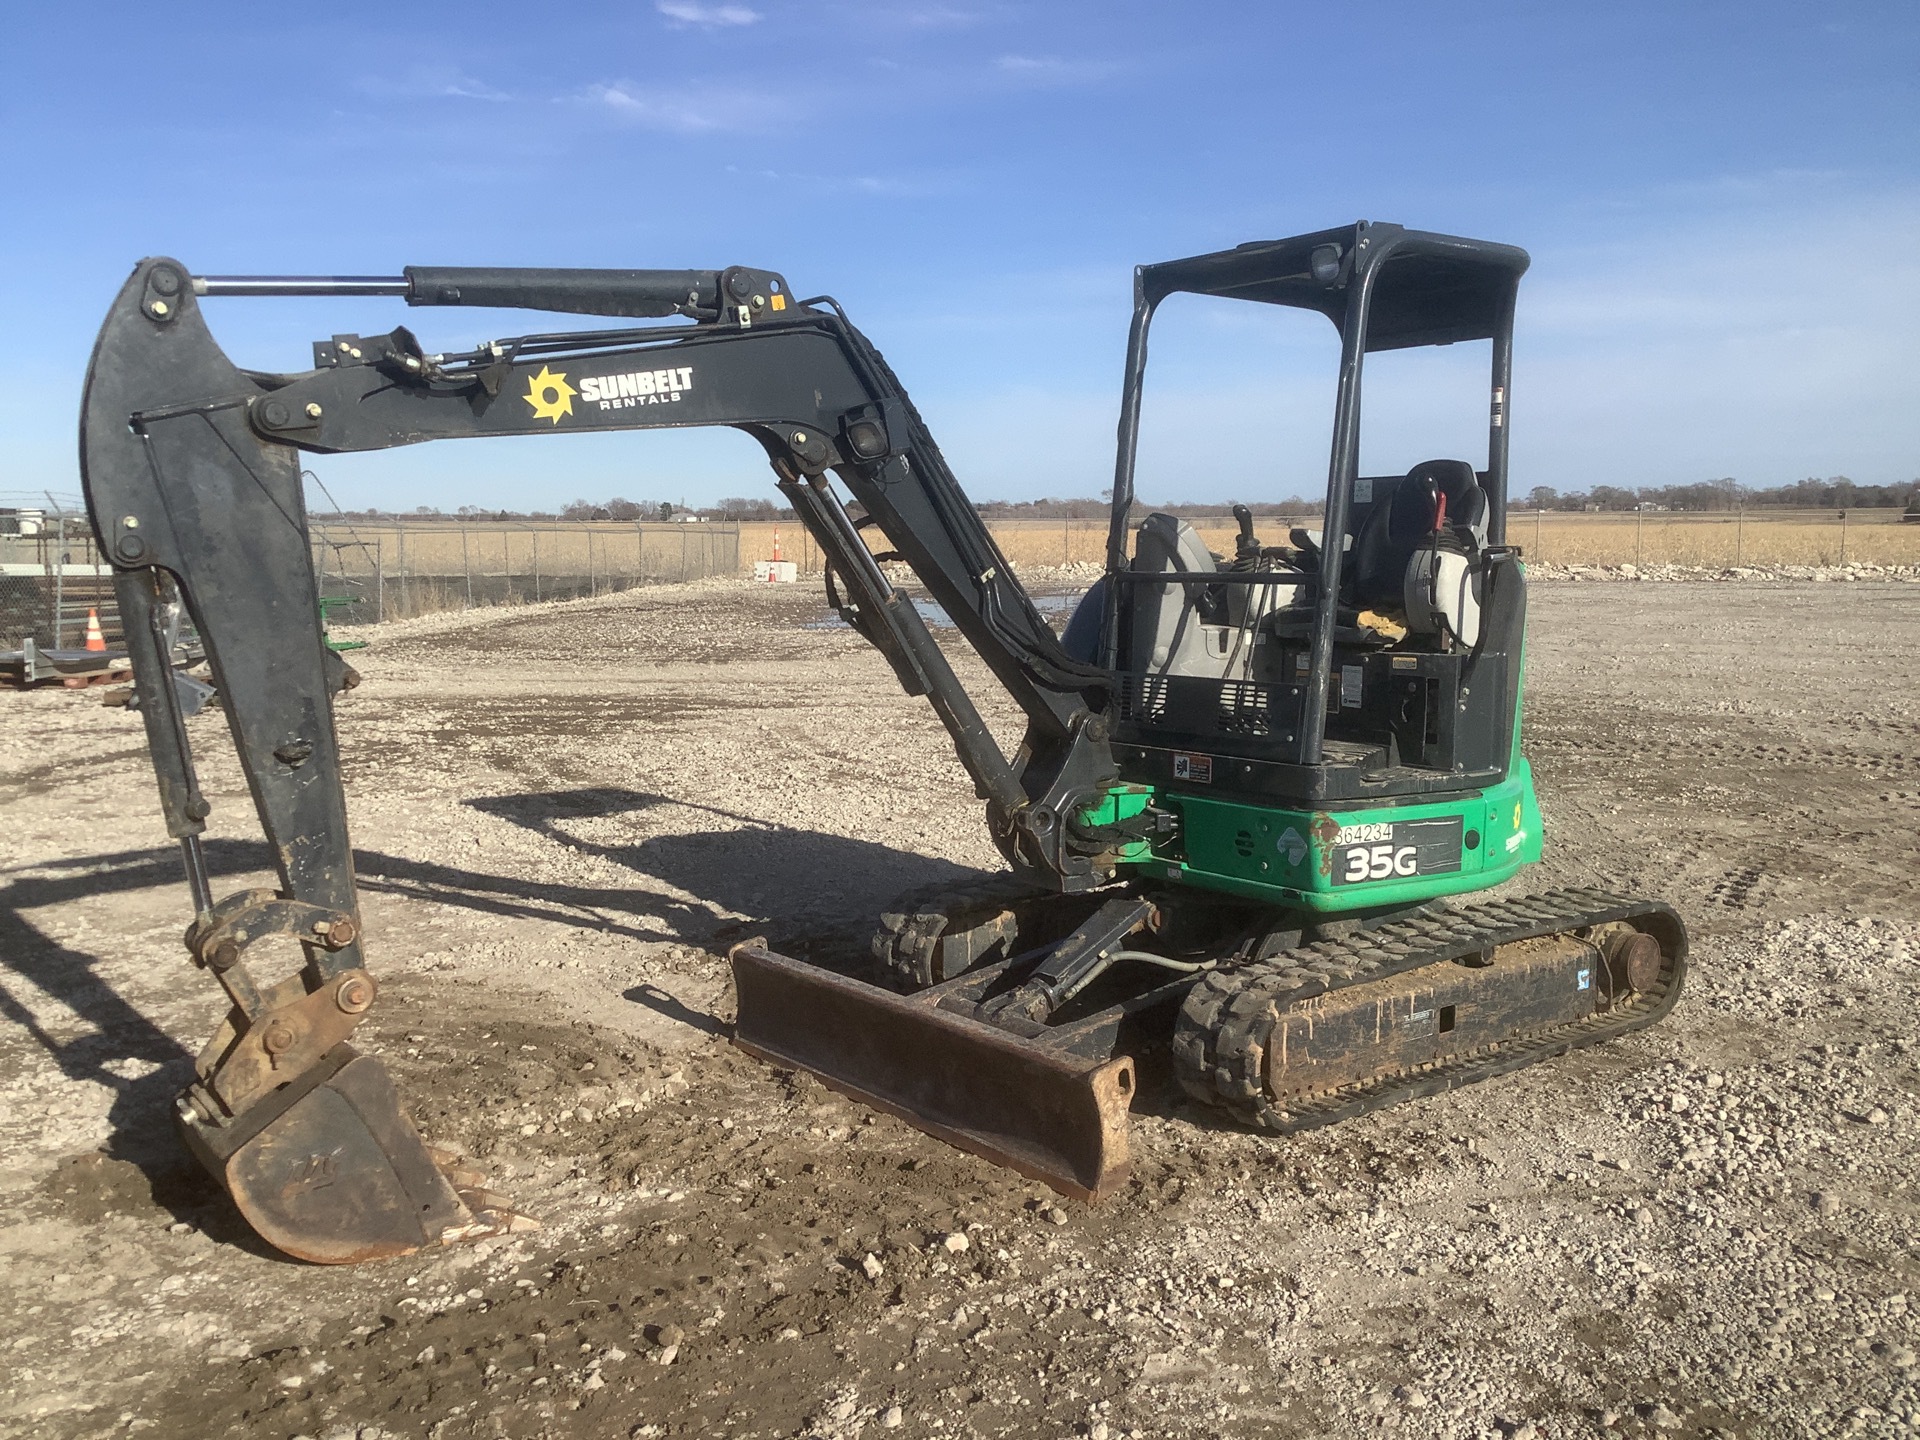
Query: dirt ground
[{"x": 565, "y": 814}]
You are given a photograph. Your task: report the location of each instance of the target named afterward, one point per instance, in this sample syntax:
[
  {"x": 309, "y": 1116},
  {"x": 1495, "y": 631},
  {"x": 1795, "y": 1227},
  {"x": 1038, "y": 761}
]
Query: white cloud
[
  {"x": 685, "y": 110},
  {"x": 1741, "y": 339},
  {"x": 896, "y": 186},
  {"x": 932, "y": 16},
  {"x": 713, "y": 17},
  {"x": 469, "y": 89},
  {"x": 433, "y": 82},
  {"x": 1049, "y": 70},
  {"x": 912, "y": 15}
]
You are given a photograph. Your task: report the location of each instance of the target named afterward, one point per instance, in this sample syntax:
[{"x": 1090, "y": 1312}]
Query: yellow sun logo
[{"x": 550, "y": 395}]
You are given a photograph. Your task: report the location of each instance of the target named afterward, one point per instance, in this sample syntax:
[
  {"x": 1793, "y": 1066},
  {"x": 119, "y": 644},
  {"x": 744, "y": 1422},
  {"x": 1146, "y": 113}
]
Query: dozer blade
[
  {"x": 330, "y": 1169},
  {"x": 1054, "y": 1116}
]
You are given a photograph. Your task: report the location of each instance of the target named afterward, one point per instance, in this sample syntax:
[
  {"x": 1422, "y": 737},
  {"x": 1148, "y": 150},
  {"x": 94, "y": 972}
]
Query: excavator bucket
[
  {"x": 1032, "y": 1104},
  {"x": 330, "y": 1169}
]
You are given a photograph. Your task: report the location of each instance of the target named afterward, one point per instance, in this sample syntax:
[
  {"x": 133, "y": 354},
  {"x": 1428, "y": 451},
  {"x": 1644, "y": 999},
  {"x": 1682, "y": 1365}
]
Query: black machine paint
[{"x": 1031, "y": 992}]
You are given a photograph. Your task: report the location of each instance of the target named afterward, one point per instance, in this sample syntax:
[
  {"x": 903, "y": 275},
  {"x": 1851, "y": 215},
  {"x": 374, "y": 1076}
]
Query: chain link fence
[
  {"x": 52, "y": 575},
  {"x": 1881, "y": 536},
  {"x": 395, "y": 569},
  {"x": 1878, "y": 536}
]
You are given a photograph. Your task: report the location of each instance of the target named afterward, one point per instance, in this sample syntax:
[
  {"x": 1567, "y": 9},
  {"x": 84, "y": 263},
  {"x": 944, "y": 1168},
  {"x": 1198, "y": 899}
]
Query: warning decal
[{"x": 1197, "y": 768}]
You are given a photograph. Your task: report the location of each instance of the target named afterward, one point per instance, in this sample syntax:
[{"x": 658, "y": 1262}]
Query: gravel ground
[{"x": 565, "y": 813}]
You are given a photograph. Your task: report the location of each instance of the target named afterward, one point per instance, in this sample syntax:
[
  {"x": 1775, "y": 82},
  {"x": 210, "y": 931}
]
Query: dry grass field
[
  {"x": 1798, "y": 537},
  {"x": 434, "y": 565}
]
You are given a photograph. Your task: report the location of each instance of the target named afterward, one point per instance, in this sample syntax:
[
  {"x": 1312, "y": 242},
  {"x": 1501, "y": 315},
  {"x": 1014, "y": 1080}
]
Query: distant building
[{"x": 23, "y": 522}]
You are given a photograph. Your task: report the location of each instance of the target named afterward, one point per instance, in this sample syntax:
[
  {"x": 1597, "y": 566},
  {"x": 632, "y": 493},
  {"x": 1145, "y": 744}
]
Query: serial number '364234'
[{"x": 1396, "y": 850}]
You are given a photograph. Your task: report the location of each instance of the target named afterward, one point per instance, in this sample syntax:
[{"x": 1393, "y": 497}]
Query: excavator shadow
[
  {"x": 120, "y": 1048},
  {"x": 671, "y": 1007},
  {"x": 818, "y": 895}
]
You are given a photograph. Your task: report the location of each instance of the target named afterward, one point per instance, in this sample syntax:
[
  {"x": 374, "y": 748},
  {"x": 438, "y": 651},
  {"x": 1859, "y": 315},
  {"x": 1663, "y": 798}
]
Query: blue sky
[{"x": 1720, "y": 200}]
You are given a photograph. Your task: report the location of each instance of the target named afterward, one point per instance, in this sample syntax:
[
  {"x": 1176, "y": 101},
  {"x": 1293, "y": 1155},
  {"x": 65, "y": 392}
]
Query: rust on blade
[{"x": 1055, "y": 1117}]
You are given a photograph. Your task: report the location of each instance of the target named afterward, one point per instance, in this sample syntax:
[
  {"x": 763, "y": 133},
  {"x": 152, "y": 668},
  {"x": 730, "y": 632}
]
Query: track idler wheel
[{"x": 1634, "y": 960}]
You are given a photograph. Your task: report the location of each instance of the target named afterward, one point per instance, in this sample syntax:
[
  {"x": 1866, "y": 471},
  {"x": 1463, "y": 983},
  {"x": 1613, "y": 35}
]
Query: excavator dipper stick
[{"x": 192, "y": 473}]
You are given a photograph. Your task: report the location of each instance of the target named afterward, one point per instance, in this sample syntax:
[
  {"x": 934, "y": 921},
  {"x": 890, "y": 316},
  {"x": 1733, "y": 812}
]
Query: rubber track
[{"x": 1219, "y": 1045}]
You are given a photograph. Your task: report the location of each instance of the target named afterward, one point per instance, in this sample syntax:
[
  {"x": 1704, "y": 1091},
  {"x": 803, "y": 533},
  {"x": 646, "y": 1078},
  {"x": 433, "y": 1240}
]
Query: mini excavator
[{"x": 1248, "y": 790}]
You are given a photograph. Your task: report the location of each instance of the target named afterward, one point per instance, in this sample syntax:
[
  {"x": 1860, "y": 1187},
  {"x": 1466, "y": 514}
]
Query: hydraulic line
[{"x": 1147, "y": 957}]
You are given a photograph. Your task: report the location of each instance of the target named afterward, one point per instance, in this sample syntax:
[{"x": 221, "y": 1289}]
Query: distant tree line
[
  {"x": 1099, "y": 509},
  {"x": 731, "y": 508},
  {"x": 1836, "y": 492},
  {"x": 617, "y": 509}
]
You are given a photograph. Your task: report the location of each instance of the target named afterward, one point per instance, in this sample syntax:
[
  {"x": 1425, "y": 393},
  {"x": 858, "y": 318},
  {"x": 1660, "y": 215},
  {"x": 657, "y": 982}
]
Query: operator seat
[{"x": 1418, "y": 553}]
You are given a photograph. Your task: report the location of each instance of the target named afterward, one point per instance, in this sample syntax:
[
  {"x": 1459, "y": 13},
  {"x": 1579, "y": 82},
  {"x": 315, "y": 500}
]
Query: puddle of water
[{"x": 1055, "y": 607}]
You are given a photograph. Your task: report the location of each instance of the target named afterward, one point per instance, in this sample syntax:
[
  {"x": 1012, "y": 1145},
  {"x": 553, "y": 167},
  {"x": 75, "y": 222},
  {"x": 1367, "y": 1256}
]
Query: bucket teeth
[
  {"x": 330, "y": 1169},
  {"x": 492, "y": 1214},
  {"x": 450, "y": 1163}
]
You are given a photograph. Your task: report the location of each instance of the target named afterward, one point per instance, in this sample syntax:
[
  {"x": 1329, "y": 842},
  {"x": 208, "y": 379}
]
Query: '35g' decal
[
  {"x": 1398, "y": 851},
  {"x": 1380, "y": 862}
]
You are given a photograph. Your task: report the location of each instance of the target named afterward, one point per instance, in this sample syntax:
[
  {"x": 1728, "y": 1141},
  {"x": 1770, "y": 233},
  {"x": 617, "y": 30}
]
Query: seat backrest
[
  {"x": 1456, "y": 480},
  {"x": 1394, "y": 530}
]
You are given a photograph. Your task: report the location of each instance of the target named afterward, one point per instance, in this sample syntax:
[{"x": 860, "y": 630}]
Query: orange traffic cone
[
  {"x": 776, "y": 547},
  {"x": 95, "y": 640}
]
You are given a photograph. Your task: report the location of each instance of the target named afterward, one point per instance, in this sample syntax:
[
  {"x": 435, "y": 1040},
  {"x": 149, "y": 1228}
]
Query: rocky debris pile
[
  {"x": 1814, "y": 574},
  {"x": 1080, "y": 570}
]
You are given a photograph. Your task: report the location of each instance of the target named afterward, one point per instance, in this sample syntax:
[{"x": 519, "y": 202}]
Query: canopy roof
[{"x": 1431, "y": 289}]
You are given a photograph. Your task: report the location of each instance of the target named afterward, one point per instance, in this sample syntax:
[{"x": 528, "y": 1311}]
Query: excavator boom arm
[
  {"x": 192, "y": 474},
  {"x": 172, "y": 427}
]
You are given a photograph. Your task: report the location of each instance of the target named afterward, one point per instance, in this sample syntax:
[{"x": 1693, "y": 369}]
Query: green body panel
[
  {"x": 1288, "y": 856},
  {"x": 1121, "y": 802}
]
